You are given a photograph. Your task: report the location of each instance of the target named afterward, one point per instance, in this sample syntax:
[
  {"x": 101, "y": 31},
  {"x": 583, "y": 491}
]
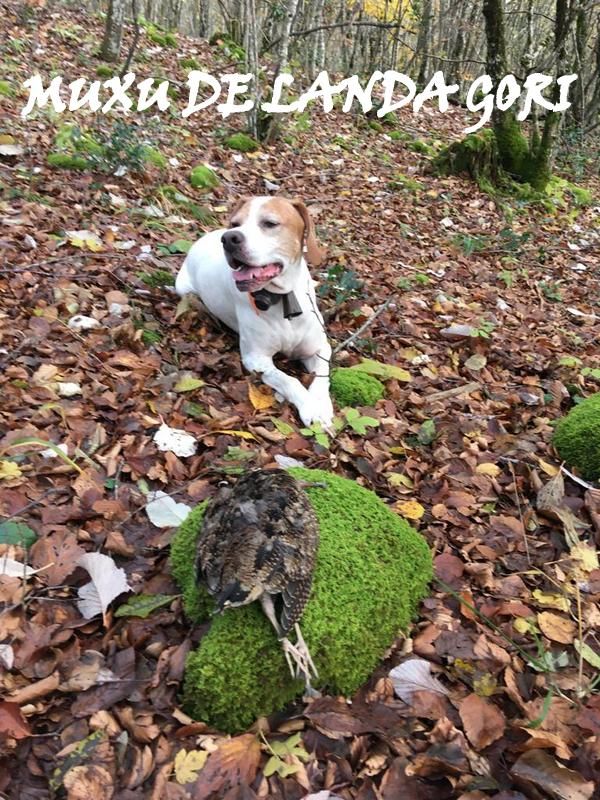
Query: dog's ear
[
  {"x": 315, "y": 253},
  {"x": 239, "y": 203}
]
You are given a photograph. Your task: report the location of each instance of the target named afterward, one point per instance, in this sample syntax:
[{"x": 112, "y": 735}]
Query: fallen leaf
[
  {"x": 15, "y": 569},
  {"x": 410, "y": 509},
  {"x": 587, "y": 653},
  {"x": 412, "y": 676},
  {"x": 108, "y": 581},
  {"x": 543, "y": 771},
  {"x": 7, "y": 655},
  {"x": 234, "y": 762},
  {"x": 86, "y": 781},
  {"x": 16, "y": 533},
  {"x": 239, "y": 434},
  {"x": 188, "y": 383},
  {"x": 12, "y": 722},
  {"x": 85, "y": 240},
  {"x": 9, "y": 471},
  {"x": 175, "y": 441},
  {"x": 259, "y": 397},
  {"x": 188, "y": 763},
  {"x": 476, "y": 362},
  {"x": 163, "y": 511},
  {"x": 385, "y": 371},
  {"x": 483, "y": 722},
  {"x": 551, "y": 600},
  {"x": 487, "y": 468},
  {"x": 557, "y": 628},
  {"x": 142, "y": 605}
]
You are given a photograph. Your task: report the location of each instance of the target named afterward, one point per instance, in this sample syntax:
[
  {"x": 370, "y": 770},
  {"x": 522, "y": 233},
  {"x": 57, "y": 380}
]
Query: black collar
[{"x": 264, "y": 299}]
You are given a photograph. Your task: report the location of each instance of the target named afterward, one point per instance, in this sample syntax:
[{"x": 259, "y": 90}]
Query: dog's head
[{"x": 266, "y": 240}]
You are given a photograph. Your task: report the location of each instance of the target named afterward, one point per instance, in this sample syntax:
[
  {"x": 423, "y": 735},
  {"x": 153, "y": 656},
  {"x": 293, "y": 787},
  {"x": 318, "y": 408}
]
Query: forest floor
[{"x": 462, "y": 448}]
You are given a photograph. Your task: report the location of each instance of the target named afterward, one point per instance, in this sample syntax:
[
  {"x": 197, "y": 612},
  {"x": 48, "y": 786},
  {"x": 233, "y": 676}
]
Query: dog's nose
[{"x": 232, "y": 239}]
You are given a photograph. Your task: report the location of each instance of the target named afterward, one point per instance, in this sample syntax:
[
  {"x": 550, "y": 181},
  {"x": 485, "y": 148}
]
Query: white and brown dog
[{"x": 254, "y": 278}]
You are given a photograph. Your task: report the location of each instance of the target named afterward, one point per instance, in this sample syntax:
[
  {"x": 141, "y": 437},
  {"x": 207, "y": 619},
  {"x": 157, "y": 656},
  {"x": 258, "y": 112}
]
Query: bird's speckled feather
[{"x": 260, "y": 536}]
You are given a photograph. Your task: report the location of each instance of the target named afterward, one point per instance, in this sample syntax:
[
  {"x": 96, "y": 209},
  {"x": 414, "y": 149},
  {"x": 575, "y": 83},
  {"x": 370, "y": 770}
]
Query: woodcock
[{"x": 258, "y": 541}]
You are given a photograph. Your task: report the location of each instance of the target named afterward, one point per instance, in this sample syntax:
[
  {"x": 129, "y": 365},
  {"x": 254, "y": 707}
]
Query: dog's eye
[
  {"x": 234, "y": 224},
  {"x": 269, "y": 223}
]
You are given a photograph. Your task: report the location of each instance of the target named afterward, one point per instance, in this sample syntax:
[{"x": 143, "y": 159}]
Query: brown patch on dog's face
[
  {"x": 295, "y": 228},
  {"x": 240, "y": 212}
]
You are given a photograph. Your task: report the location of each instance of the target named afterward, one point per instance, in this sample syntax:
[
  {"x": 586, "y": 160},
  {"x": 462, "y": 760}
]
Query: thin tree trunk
[
  {"x": 423, "y": 41},
  {"x": 251, "y": 37},
  {"x": 113, "y": 31}
]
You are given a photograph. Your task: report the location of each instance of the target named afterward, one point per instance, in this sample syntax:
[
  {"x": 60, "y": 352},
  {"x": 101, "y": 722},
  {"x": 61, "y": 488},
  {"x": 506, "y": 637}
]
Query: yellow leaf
[
  {"x": 188, "y": 764},
  {"x": 551, "y": 600},
  {"x": 524, "y": 625},
  {"x": 260, "y": 398},
  {"x": 557, "y": 628},
  {"x": 240, "y": 434},
  {"x": 487, "y": 468},
  {"x": 549, "y": 469},
  {"x": 410, "y": 509},
  {"x": 397, "y": 479},
  {"x": 85, "y": 240},
  {"x": 586, "y": 555},
  {"x": 9, "y": 471}
]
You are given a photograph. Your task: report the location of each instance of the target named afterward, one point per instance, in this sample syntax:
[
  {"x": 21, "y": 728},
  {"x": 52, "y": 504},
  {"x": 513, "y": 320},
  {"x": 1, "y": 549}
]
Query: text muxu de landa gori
[{"x": 394, "y": 89}]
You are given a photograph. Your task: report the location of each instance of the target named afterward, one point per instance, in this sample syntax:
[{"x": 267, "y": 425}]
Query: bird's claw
[{"x": 299, "y": 659}]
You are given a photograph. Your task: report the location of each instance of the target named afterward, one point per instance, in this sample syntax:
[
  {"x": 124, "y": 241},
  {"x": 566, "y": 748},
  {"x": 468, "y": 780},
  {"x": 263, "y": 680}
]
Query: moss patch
[
  {"x": 577, "y": 437},
  {"x": 372, "y": 569},
  {"x": 67, "y": 161},
  {"x": 6, "y": 90},
  {"x": 350, "y": 387},
  {"x": 202, "y": 177},
  {"x": 241, "y": 142}
]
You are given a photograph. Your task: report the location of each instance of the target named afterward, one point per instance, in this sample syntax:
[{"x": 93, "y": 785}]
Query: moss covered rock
[
  {"x": 351, "y": 387},
  {"x": 203, "y": 177},
  {"x": 577, "y": 437},
  {"x": 372, "y": 569},
  {"x": 241, "y": 142}
]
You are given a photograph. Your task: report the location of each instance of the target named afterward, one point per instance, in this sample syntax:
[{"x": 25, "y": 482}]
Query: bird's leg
[
  {"x": 306, "y": 665},
  {"x": 297, "y": 654},
  {"x": 266, "y": 602}
]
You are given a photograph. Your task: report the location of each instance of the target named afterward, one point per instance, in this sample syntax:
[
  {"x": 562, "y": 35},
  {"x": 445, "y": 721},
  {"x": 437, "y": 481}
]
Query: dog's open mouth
[{"x": 248, "y": 278}]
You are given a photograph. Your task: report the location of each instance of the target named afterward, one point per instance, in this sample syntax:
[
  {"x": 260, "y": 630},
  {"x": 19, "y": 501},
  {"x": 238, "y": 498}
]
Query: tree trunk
[
  {"x": 291, "y": 7},
  {"x": 113, "y": 31},
  {"x": 512, "y": 145},
  {"x": 251, "y": 37},
  {"x": 423, "y": 42}
]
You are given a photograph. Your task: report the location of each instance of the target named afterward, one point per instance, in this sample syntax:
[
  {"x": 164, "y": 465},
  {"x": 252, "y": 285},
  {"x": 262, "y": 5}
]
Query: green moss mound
[
  {"x": 476, "y": 155},
  {"x": 66, "y": 161},
  {"x": 351, "y": 387},
  {"x": 202, "y": 177},
  {"x": 372, "y": 569},
  {"x": 241, "y": 142},
  {"x": 577, "y": 437},
  {"x": 6, "y": 90}
]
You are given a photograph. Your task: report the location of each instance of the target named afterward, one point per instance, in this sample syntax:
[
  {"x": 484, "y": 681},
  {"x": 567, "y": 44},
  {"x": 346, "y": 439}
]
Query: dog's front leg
[
  {"x": 319, "y": 364},
  {"x": 290, "y": 388}
]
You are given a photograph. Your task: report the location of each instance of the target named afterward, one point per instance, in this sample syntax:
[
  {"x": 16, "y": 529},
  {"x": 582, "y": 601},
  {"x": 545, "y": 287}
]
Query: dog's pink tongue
[{"x": 256, "y": 273}]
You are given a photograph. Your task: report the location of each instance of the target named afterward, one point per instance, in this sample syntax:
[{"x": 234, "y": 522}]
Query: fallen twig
[
  {"x": 363, "y": 327},
  {"x": 467, "y": 388}
]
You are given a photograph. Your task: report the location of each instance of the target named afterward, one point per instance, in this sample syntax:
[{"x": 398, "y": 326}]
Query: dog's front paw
[{"x": 317, "y": 410}]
